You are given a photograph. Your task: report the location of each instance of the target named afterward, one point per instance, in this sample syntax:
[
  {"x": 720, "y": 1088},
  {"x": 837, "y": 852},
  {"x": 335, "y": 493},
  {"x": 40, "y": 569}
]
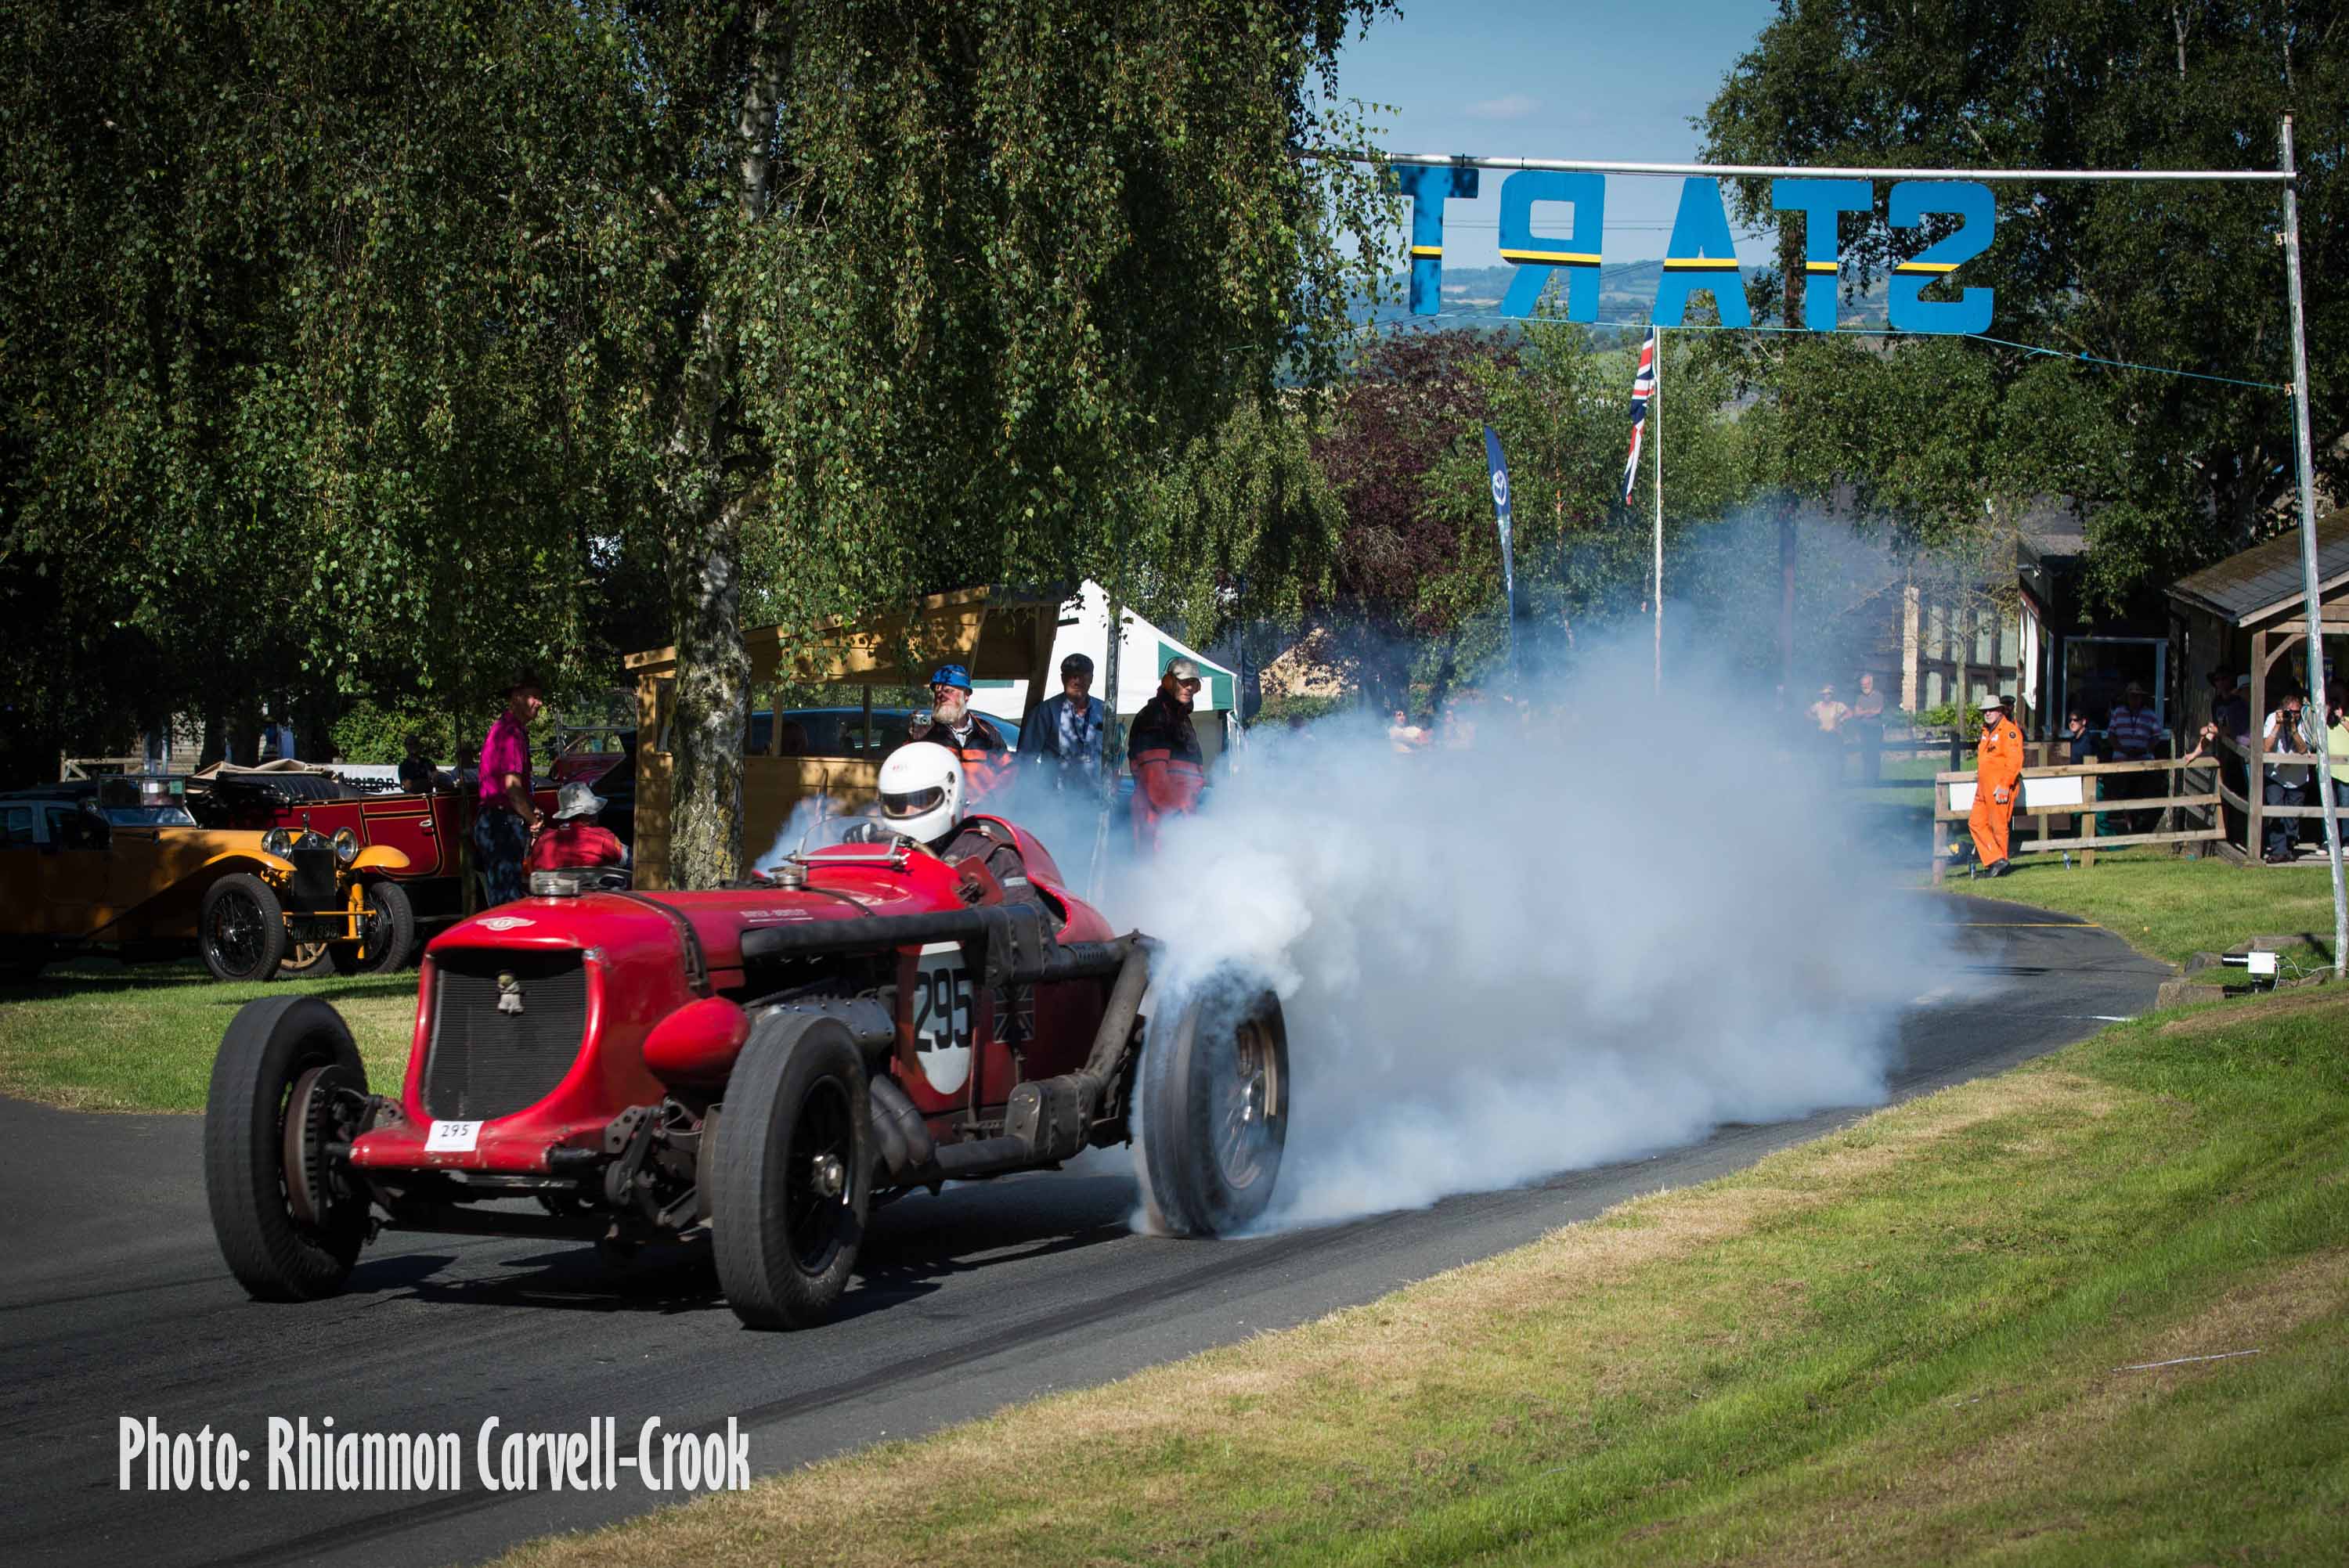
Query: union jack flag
[{"x": 1643, "y": 387}]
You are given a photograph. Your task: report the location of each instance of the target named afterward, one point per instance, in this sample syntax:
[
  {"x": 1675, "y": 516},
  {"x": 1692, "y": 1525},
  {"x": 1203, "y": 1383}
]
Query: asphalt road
[{"x": 116, "y": 1303}]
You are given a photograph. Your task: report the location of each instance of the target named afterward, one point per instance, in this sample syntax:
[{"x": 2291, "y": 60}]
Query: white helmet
[{"x": 921, "y": 790}]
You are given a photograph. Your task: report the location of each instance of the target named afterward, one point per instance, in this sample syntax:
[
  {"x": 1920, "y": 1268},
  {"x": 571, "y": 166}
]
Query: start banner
[{"x": 1702, "y": 257}]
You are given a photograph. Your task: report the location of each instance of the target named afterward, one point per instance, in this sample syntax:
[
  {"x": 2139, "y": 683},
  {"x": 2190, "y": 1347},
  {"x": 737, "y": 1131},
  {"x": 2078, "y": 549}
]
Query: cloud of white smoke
[{"x": 1594, "y": 930}]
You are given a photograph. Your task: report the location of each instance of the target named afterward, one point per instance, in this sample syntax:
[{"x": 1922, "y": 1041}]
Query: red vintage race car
[{"x": 759, "y": 1065}]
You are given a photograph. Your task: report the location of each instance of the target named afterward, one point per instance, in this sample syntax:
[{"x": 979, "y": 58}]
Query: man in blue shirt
[
  {"x": 2132, "y": 732},
  {"x": 1063, "y": 735}
]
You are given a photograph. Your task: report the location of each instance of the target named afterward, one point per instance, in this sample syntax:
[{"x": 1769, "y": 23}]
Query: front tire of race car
[
  {"x": 1214, "y": 1110},
  {"x": 286, "y": 1085},
  {"x": 790, "y": 1171}
]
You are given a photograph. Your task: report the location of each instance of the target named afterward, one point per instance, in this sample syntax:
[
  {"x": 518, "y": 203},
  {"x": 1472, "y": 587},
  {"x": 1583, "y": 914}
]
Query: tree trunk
[
  {"x": 705, "y": 543},
  {"x": 713, "y": 694}
]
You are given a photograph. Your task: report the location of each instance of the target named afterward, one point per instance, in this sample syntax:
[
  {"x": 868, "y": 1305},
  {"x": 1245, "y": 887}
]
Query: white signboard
[{"x": 2038, "y": 794}]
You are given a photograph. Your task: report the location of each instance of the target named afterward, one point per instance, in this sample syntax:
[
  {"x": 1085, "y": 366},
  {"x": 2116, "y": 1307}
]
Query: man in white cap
[
  {"x": 1163, "y": 750},
  {"x": 1998, "y": 780},
  {"x": 573, "y": 838}
]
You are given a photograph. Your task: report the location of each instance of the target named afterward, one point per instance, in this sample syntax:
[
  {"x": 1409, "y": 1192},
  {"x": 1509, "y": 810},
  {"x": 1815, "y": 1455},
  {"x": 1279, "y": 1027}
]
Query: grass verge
[
  {"x": 99, "y": 1036},
  {"x": 1926, "y": 1339},
  {"x": 2174, "y": 908}
]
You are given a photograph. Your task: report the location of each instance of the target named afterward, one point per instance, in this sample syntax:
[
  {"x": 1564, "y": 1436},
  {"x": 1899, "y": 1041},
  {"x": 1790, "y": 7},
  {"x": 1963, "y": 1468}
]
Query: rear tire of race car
[
  {"x": 1214, "y": 1110},
  {"x": 389, "y": 933},
  {"x": 242, "y": 930},
  {"x": 791, "y": 1171},
  {"x": 281, "y": 1056}
]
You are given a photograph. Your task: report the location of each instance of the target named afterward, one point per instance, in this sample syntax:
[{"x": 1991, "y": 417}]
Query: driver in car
[
  {"x": 574, "y": 838},
  {"x": 922, "y": 800}
]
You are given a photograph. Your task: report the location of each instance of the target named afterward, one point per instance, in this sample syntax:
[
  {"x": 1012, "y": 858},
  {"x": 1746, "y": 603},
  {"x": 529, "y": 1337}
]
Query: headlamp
[
  {"x": 277, "y": 842},
  {"x": 347, "y": 846}
]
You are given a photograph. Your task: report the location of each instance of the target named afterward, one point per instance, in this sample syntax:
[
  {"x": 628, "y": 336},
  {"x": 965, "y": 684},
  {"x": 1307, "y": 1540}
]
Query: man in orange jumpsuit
[{"x": 1998, "y": 780}]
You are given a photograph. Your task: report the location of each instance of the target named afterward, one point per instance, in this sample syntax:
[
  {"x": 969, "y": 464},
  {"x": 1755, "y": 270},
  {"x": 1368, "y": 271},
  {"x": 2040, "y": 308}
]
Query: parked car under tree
[{"x": 119, "y": 867}]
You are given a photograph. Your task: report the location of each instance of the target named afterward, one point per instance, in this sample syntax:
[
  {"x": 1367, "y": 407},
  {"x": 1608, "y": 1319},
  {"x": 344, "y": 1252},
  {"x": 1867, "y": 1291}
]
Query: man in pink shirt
[{"x": 505, "y": 815}]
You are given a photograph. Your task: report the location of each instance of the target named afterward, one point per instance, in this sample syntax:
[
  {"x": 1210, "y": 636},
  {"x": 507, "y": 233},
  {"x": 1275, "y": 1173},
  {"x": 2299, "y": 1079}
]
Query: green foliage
[
  {"x": 1297, "y": 709},
  {"x": 1581, "y": 553},
  {"x": 1240, "y": 526},
  {"x": 379, "y": 356},
  {"x": 2168, "y": 472}
]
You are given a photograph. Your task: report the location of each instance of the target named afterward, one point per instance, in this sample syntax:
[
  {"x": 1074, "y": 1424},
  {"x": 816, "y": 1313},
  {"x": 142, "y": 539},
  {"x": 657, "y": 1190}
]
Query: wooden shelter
[
  {"x": 997, "y": 634},
  {"x": 2248, "y": 614}
]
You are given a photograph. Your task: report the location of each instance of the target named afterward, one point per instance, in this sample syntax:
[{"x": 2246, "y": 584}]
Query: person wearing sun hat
[
  {"x": 573, "y": 838},
  {"x": 1998, "y": 782}
]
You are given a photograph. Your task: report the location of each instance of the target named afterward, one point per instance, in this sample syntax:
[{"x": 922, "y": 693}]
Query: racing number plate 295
[{"x": 945, "y": 1016}]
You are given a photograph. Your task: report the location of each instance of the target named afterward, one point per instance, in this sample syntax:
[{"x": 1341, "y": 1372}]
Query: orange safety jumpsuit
[
  {"x": 1998, "y": 775},
  {"x": 1164, "y": 785},
  {"x": 1167, "y": 772}
]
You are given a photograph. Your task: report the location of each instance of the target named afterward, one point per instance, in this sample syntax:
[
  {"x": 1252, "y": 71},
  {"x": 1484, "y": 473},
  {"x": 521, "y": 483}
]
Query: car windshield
[{"x": 150, "y": 816}]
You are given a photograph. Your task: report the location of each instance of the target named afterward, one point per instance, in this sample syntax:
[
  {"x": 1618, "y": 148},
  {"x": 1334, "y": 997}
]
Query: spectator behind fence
[
  {"x": 2221, "y": 692},
  {"x": 1865, "y": 725},
  {"x": 2337, "y": 738},
  {"x": 2289, "y": 731},
  {"x": 2079, "y": 751},
  {"x": 2133, "y": 731},
  {"x": 2079, "y": 740},
  {"x": 2235, "y": 717}
]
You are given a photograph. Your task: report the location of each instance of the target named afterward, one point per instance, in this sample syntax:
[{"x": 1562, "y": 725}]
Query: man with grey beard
[{"x": 950, "y": 722}]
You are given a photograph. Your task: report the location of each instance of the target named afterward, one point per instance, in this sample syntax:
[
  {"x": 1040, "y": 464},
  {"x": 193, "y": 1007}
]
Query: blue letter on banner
[
  {"x": 1427, "y": 185},
  {"x": 1700, "y": 257},
  {"x": 1821, "y": 202},
  {"x": 1536, "y": 258},
  {"x": 1971, "y": 203}
]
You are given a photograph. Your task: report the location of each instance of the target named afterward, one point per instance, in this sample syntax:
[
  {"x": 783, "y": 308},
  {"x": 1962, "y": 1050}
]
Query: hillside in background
[{"x": 1472, "y": 302}]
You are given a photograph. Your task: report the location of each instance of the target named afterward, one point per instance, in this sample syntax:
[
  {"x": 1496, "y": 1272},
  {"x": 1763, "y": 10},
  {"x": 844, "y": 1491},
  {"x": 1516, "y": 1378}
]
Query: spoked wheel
[
  {"x": 306, "y": 961},
  {"x": 1215, "y": 1110},
  {"x": 287, "y": 1089},
  {"x": 387, "y": 933},
  {"x": 241, "y": 928},
  {"x": 791, "y": 1171}
]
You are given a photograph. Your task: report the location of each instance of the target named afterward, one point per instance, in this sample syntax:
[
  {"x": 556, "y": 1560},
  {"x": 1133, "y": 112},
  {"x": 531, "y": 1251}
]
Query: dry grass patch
[{"x": 2252, "y": 1010}]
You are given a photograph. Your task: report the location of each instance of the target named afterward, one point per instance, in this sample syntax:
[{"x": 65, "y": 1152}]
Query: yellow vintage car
[{"x": 119, "y": 866}]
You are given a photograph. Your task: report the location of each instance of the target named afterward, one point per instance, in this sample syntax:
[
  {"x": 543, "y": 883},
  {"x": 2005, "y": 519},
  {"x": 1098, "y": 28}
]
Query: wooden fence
[{"x": 2179, "y": 817}]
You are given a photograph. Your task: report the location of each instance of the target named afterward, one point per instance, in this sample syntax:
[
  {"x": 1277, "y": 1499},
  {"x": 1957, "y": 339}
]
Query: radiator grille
[
  {"x": 312, "y": 886},
  {"x": 484, "y": 1063}
]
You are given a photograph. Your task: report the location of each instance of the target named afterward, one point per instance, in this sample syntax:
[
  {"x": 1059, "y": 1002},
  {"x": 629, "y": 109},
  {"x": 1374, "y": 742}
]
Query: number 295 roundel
[{"x": 755, "y": 1069}]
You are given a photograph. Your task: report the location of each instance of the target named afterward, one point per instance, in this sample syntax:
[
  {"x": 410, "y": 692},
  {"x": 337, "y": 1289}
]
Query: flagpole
[{"x": 1656, "y": 414}]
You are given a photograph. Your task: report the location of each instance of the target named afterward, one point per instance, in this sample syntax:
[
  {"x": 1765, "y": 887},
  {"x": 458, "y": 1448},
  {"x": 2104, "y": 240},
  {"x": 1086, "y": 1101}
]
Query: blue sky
[{"x": 1513, "y": 80}]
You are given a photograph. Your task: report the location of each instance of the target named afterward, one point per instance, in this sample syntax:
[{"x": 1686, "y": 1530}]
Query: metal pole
[
  {"x": 2308, "y": 559},
  {"x": 1656, "y": 416},
  {"x": 1763, "y": 171}
]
